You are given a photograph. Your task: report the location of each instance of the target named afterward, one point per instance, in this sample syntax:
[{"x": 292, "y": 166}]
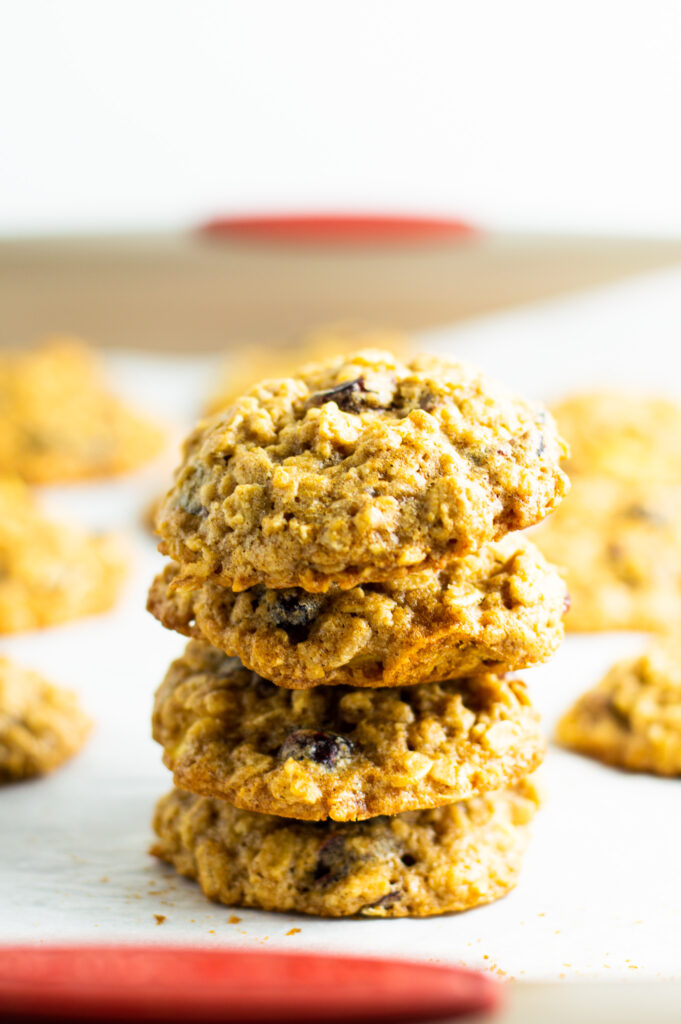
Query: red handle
[
  {"x": 338, "y": 228},
  {"x": 175, "y": 983}
]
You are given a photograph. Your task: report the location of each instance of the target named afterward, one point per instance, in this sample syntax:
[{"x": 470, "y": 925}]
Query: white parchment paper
[{"x": 600, "y": 895}]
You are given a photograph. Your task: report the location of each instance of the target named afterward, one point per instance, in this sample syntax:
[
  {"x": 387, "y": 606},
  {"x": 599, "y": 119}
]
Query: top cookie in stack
[
  {"x": 355, "y": 471},
  {"x": 360, "y": 506}
]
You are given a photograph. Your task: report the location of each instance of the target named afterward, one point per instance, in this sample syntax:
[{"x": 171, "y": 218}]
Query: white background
[{"x": 152, "y": 113}]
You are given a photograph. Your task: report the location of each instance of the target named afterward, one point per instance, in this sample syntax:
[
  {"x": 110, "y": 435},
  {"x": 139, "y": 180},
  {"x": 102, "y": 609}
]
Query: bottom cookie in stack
[
  {"x": 416, "y": 864},
  {"x": 391, "y": 802}
]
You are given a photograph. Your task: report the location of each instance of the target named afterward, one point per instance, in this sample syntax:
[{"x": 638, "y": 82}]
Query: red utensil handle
[
  {"x": 338, "y": 228},
  {"x": 152, "y": 983}
]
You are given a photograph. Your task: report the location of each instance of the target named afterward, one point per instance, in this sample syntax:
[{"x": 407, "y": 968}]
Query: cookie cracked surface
[
  {"x": 356, "y": 470},
  {"x": 632, "y": 718},
  {"x": 51, "y": 572},
  {"x": 339, "y": 752},
  {"x": 59, "y": 421},
  {"x": 41, "y": 725},
  {"x": 495, "y": 611}
]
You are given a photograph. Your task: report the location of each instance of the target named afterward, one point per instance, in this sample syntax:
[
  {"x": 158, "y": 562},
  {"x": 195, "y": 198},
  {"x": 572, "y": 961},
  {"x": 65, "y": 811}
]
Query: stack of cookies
[{"x": 341, "y": 727}]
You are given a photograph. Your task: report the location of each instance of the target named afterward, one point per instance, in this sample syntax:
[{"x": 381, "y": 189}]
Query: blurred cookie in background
[
  {"x": 243, "y": 369},
  {"x": 59, "y": 420},
  {"x": 632, "y": 718},
  {"x": 51, "y": 572},
  {"x": 41, "y": 725},
  {"x": 628, "y": 437},
  {"x": 618, "y": 547}
]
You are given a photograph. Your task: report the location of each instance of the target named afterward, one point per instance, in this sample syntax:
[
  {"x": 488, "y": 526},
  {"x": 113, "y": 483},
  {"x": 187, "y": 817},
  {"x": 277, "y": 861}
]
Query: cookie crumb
[
  {"x": 233, "y": 919},
  {"x": 293, "y": 931},
  {"x": 160, "y": 918}
]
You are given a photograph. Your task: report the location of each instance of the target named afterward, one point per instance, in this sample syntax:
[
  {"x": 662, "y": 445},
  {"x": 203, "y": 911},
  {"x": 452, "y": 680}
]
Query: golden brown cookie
[
  {"x": 356, "y": 470},
  {"x": 632, "y": 719},
  {"x": 415, "y": 864},
  {"x": 59, "y": 421},
  {"x": 495, "y": 611},
  {"x": 630, "y": 437},
  {"x": 41, "y": 725},
  {"x": 251, "y": 363},
  {"x": 619, "y": 547},
  {"x": 336, "y": 751},
  {"x": 51, "y": 572}
]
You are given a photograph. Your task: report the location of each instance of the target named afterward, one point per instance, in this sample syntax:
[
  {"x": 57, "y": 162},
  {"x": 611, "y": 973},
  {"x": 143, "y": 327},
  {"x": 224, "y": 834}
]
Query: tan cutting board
[{"x": 185, "y": 293}]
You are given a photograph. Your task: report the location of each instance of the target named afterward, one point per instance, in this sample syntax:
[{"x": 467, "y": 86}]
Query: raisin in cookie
[
  {"x": 619, "y": 547},
  {"x": 415, "y": 864},
  {"x": 60, "y": 422},
  {"x": 51, "y": 572},
  {"x": 246, "y": 367},
  {"x": 632, "y": 719},
  {"x": 628, "y": 437},
  {"x": 495, "y": 611},
  {"x": 41, "y": 725},
  {"x": 336, "y": 751},
  {"x": 355, "y": 470}
]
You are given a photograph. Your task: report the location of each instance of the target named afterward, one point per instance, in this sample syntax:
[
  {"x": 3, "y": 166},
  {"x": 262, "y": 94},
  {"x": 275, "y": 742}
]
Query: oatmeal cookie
[
  {"x": 41, "y": 725},
  {"x": 51, "y": 572},
  {"x": 495, "y": 611},
  {"x": 356, "y": 470},
  {"x": 60, "y": 422},
  {"x": 336, "y": 751},
  {"x": 619, "y": 548},
  {"x": 245, "y": 368},
  {"x": 632, "y": 719},
  {"x": 415, "y": 864},
  {"x": 628, "y": 437}
]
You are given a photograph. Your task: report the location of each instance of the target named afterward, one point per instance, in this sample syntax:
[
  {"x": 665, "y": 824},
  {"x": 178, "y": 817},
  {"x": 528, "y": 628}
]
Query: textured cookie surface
[
  {"x": 495, "y": 611},
  {"x": 356, "y": 470},
  {"x": 251, "y": 364},
  {"x": 59, "y": 421},
  {"x": 415, "y": 864},
  {"x": 619, "y": 547},
  {"x": 51, "y": 572},
  {"x": 632, "y": 719},
  {"x": 628, "y": 437},
  {"x": 336, "y": 751},
  {"x": 41, "y": 725}
]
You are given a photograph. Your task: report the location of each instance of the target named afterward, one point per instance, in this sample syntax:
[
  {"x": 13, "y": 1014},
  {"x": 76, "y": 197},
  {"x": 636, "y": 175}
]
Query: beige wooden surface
[{"x": 182, "y": 292}]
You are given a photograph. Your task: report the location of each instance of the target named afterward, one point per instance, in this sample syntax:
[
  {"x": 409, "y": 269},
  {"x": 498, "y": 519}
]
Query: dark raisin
[
  {"x": 190, "y": 504},
  {"x": 294, "y": 611},
  {"x": 333, "y": 862},
  {"x": 408, "y": 860},
  {"x": 620, "y": 716},
  {"x": 478, "y": 456},
  {"x": 324, "y": 748},
  {"x": 540, "y": 447},
  {"x": 188, "y": 499},
  {"x": 646, "y": 515},
  {"x": 428, "y": 401},
  {"x": 388, "y": 900},
  {"x": 348, "y": 396}
]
